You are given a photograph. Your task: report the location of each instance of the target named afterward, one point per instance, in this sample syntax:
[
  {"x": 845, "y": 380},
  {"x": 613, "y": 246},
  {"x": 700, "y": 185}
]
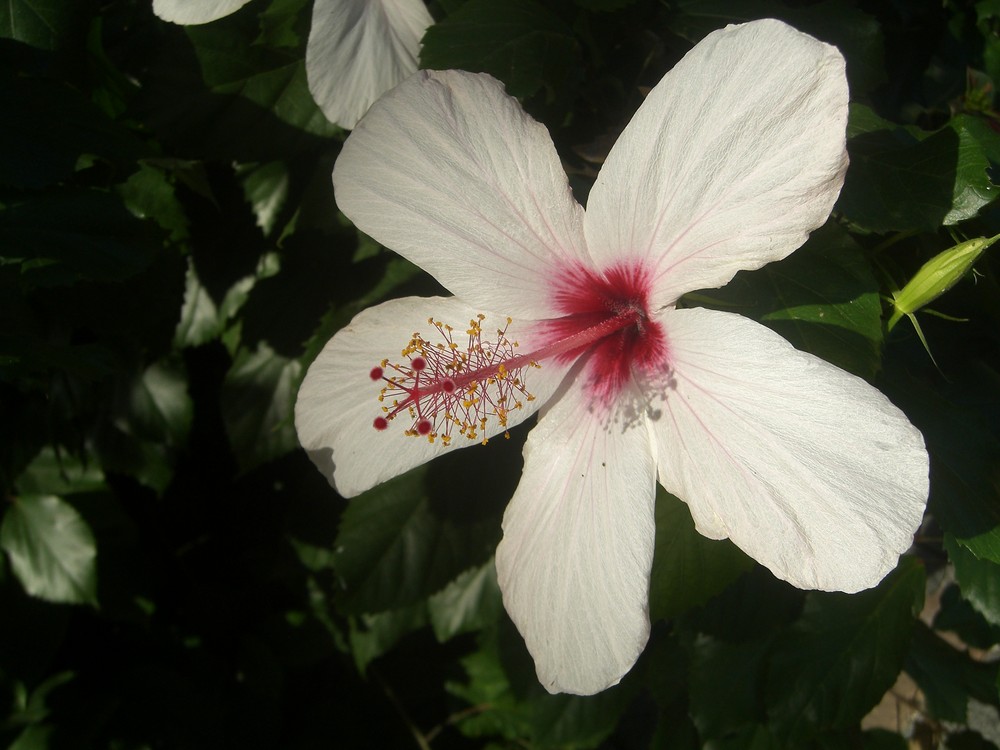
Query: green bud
[{"x": 937, "y": 276}]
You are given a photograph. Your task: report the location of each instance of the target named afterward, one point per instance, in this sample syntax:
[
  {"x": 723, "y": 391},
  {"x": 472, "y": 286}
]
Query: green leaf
[
  {"x": 979, "y": 579},
  {"x": 272, "y": 78},
  {"x": 284, "y": 24},
  {"x": 846, "y": 650},
  {"x": 963, "y": 445},
  {"x": 736, "y": 614},
  {"x": 470, "y": 602},
  {"x": 96, "y": 238},
  {"x": 150, "y": 462},
  {"x": 521, "y": 42},
  {"x": 883, "y": 739},
  {"x": 373, "y": 635},
  {"x": 903, "y": 179},
  {"x": 947, "y": 677},
  {"x": 399, "y": 543},
  {"x": 158, "y": 405},
  {"x": 488, "y": 686},
  {"x": 562, "y": 721},
  {"x": 200, "y": 321},
  {"x": 266, "y": 188},
  {"x": 149, "y": 193},
  {"x": 51, "y": 548},
  {"x": 726, "y": 687},
  {"x": 823, "y": 298},
  {"x": 838, "y": 22},
  {"x": 258, "y": 399},
  {"x": 53, "y": 125},
  {"x": 967, "y": 739},
  {"x": 34, "y": 737},
  {"x": 688, "y": 569},
  {"x": 55, "y": 472},
  {"x": 229, "y": 89},
  {"x": 45, "y": 24},
  {"x": 603, "y": 5},
  {"x": 573, "y": 721},
  {"x": 960, "y": 617},
  {"x": 37, "y": 709},
  {"x": 979, "y": 129}
]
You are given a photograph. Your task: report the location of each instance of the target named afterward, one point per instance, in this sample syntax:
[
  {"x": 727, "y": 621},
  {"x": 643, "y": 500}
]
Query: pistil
[{"x": 445, "y": 387}]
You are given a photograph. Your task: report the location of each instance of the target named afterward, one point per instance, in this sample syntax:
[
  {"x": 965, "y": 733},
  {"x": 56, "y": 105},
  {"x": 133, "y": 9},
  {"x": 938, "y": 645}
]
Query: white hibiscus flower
[
  {"x": 194, "y": 12},
  {"x": 357, "y": 49},
  {"x": 734, "y": 157}
]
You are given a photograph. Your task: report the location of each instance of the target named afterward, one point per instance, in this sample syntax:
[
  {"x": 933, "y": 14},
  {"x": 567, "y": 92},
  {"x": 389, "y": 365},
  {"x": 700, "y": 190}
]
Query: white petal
[
  {"x": 338, "y": 401},
  {"x": 358, "y": 50},
  {"x": 734, "y": 157},
  {"x": 449, "y": 171},
  {"x": 193, "y": 12},
  {"x": 577, "y": 548},
  {"x": 809, "y": 470}
]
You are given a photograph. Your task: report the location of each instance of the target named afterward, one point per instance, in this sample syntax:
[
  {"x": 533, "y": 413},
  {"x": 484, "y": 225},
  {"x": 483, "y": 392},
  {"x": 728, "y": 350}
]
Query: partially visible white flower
[
  {"x": 193, "y": 12},
  {"x": 358, "y": 50},
  {"x": 734, "y": 157}
]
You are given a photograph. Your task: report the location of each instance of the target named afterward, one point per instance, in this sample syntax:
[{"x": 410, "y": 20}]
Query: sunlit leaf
[
  {"x": 51, "y": 548},
  {"x": 979, "y": 579},
  {"x": 200, "y": 321},
  {"x": 904, "y": 179},
  {"x": 158, "y": 405},
  {"x": 266, "y": 188}
]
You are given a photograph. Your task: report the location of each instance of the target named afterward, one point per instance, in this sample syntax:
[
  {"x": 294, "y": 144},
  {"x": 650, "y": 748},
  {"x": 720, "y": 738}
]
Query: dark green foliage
[{"x": 174, "y": 573}]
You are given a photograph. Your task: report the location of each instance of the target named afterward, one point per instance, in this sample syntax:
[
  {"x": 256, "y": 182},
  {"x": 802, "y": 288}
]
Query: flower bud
[{"x": 938, "y": 275}]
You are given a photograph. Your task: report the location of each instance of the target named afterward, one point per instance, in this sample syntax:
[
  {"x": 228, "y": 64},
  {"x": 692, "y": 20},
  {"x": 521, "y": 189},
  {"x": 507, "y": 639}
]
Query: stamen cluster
[{"x": 447, "y": 388}]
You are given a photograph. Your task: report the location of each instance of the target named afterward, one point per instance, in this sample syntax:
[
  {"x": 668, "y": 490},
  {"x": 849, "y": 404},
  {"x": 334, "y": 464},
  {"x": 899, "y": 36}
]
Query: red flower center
[{"x": 590, "y": 300}]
